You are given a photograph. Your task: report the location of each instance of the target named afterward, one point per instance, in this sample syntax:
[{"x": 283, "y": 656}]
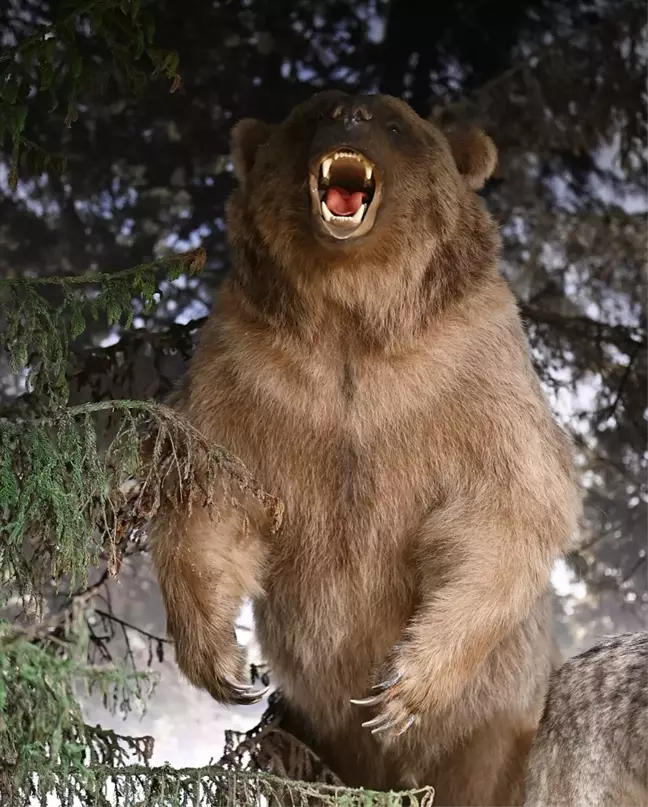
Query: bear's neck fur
[{"x": 381, "y": 307}]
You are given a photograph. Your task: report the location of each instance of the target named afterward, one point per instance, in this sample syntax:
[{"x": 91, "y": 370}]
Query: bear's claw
[{"x": 242, "y": 694}]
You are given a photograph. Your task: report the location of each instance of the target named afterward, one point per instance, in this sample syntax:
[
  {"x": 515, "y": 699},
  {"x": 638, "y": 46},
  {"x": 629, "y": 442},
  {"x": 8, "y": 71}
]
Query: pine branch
[
  {"x": 41, "y": 724},
  {"x": 38, "y": 332},
  {"x": 57, "y": 60},
  {"x": 62, "y": 501}
]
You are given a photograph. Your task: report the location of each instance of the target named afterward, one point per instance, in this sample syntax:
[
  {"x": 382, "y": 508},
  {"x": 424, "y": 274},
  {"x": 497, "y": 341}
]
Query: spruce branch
[
  {"x": 41, "y": 724},
  {"x": 63, "y": 502},
  {"x": 111, "y": 623},
  {"x": 91, "y": 42},
  {"x": 211, "y": 786},
  {"x": 105, "y": 615},
  {"x": 192, "y": 261},
  {"x": 38, "y": 332}
]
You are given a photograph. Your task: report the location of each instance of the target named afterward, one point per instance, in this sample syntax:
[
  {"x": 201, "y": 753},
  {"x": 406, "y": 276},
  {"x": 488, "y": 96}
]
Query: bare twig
[{"x": 130, "y": 626}]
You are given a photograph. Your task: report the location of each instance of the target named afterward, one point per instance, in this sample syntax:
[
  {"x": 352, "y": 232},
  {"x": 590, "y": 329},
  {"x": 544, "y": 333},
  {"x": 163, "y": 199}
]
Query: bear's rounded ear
[
  {"x": 246, "y": 137},
  {"x": 475, "y": 155}
]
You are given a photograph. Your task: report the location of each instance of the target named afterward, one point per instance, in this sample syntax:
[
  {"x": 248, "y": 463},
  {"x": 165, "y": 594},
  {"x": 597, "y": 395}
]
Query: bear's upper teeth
[
  {"x": 356, "y": 218},
  {"x": 325, "y": 167}
]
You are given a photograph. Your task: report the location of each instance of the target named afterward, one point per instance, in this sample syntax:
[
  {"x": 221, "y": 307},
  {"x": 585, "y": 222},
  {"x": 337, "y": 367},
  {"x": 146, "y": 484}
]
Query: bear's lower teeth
[{"x": 356, "y": 218}]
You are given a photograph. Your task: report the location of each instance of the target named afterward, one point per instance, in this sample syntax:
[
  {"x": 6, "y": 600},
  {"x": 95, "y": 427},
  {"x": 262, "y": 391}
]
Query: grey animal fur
[{"x": 591, "y": 748}]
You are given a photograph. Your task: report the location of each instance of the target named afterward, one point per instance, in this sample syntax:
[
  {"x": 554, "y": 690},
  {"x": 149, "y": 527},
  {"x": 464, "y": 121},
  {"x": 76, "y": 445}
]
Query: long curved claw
[
  {"x": 389, "y": 682},
  {"x": 243, "y": 694},
  {"x": 234, "y": 684},
  {"x": 374, "y": 722},
  {"x": 385, "y": 726},
  {"x": 371, "y": 701},
  {"x": 248, "y": 699},
  {"x": 410, "y": 721},
  {"x": 393, "y": 724}
]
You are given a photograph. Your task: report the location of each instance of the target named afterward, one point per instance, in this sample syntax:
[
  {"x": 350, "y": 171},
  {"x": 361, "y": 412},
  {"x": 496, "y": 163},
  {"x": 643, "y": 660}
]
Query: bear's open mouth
[{"x": 345, "y": 192}]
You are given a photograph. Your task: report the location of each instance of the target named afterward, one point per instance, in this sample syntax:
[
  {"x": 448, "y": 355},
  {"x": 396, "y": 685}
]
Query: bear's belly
[
  {"x": 339, "y": 586},
  {"x": 331, "y": 613}
]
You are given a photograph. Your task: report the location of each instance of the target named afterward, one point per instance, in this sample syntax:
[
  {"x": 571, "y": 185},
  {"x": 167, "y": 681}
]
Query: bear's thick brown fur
[{"x": 376, "y": 379}]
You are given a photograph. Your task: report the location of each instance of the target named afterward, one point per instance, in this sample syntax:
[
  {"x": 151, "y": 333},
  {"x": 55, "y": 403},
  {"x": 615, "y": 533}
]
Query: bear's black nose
[{"x": 351, "y": 113}]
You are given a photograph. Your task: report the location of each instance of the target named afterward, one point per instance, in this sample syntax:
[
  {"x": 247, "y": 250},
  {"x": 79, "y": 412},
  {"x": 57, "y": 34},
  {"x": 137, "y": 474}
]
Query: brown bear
[{"x": 366, "y": 361}]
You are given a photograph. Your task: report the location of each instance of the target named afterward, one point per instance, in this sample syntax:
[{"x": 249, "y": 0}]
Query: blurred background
[{"x": 560, "y": 85}]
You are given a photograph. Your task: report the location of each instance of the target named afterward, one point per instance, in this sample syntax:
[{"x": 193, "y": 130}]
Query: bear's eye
[{"x": 393, "y": 127}]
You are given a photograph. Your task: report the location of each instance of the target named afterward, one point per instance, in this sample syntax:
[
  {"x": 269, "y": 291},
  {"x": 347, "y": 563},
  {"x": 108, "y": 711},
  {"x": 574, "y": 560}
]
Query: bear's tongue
[{"x": 342, "y": 203}]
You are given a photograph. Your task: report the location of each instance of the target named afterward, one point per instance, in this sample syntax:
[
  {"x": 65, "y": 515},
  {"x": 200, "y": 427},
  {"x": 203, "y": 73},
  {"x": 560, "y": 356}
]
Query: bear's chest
[
  {"x": 349, "y": 448},
  {"x": 355, "y": 482},
  {"x": 349, "y": 429},
  {"x": 342, "y": 469}
]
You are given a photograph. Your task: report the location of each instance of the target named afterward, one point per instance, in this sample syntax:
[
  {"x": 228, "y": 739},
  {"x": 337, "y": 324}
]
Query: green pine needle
[{"x": 37, "y": 332}]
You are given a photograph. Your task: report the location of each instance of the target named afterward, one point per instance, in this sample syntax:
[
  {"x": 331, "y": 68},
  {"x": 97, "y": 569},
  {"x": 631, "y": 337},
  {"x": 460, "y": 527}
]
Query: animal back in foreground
[{"x": 591, "y": 749}]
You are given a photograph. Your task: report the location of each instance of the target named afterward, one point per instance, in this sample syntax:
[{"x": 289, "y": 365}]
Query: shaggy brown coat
[{"x": 383, "y": 390}]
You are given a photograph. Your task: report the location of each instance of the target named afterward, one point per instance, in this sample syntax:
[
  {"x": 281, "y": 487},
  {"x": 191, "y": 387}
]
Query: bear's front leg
[
  {"x": 206, "y": 564},
  {"x": 498, "y": 560}
]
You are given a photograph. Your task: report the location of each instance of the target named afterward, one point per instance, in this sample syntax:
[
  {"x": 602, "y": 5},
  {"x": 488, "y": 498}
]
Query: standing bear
[{"x": 366, "y": 361}]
